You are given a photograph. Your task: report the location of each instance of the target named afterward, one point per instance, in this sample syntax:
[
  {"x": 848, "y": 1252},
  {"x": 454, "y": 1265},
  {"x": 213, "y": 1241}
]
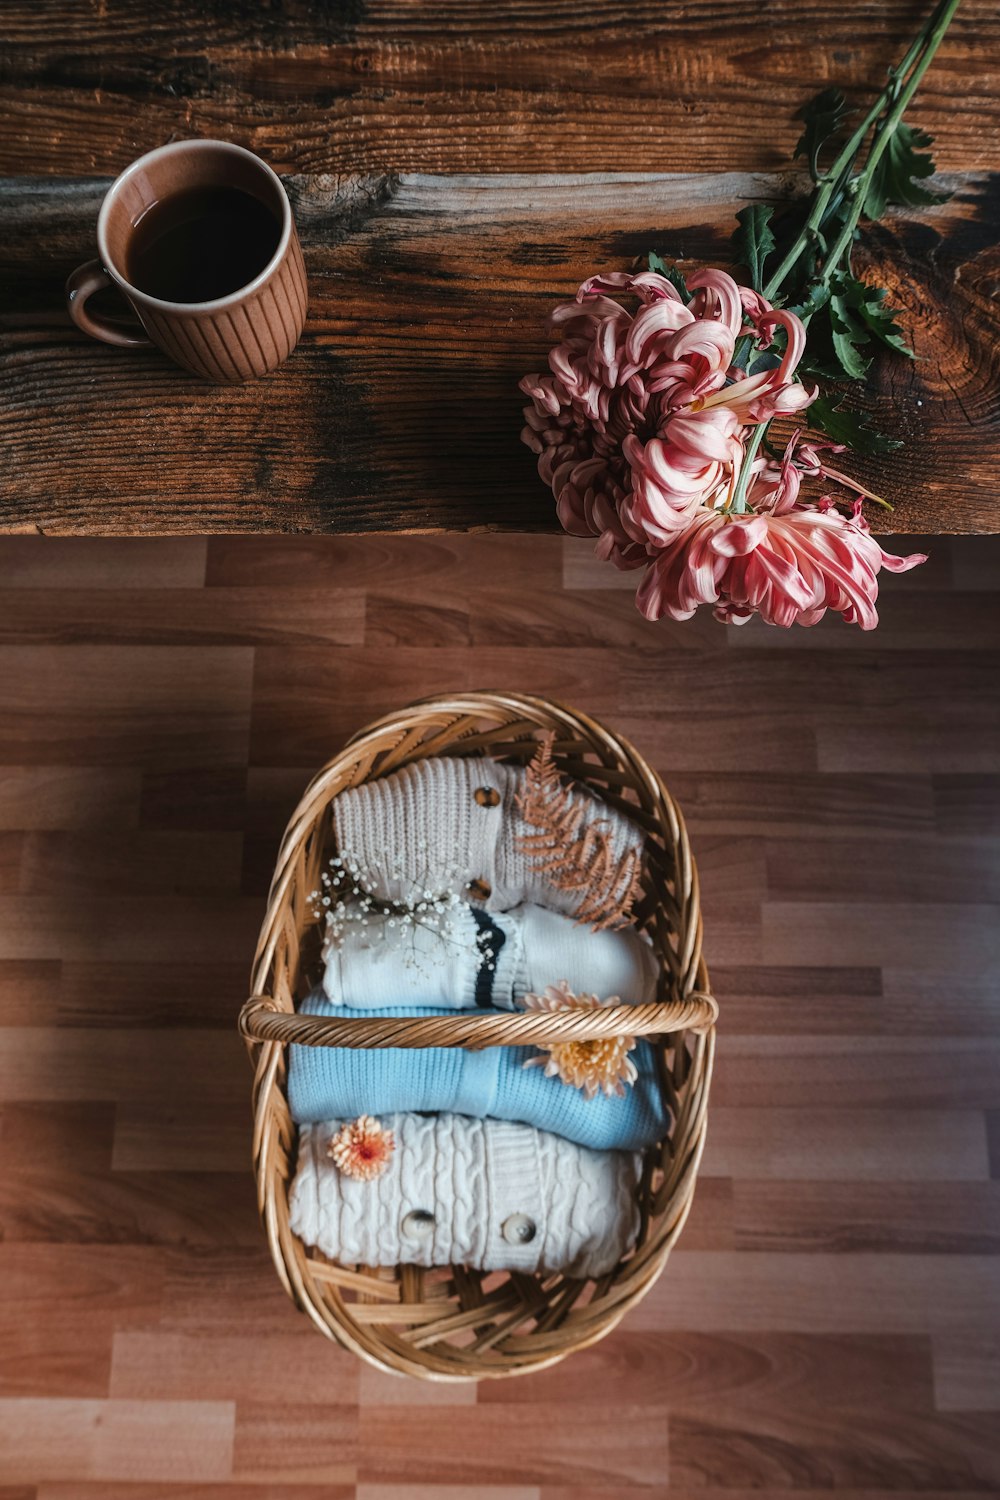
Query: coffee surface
[{"x": 201, "y": 244}]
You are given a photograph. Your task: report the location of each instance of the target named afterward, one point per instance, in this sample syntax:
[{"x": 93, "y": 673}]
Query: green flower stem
[
  {"x": 835, "y": 180},
  {"x": 885, "y": 115},
  {"x": 838, "y": 180},
  {"x": 935, "y": 30},
  {"x": 738, "y": 504}
]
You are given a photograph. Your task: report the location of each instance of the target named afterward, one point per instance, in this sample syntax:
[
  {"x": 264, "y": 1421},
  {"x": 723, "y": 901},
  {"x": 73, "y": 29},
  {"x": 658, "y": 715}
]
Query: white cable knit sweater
[
  {"x": 482, "y": 1193},
  {"x": 452, "y": 823},
  {"x": 372, "y": 965}
]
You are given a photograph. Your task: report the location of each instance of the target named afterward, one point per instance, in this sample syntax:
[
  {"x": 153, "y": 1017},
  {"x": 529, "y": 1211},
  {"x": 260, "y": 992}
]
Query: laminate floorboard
[{"x": 829, "y": 1321}]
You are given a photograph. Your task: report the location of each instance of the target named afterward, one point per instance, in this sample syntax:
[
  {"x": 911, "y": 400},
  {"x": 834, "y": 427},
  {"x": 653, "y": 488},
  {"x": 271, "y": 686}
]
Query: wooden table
[{"x": 455, "y": 169}]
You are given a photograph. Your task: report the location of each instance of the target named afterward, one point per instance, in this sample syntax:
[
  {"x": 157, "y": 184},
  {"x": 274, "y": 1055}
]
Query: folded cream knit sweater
[
  {"x": 482, "y": 1193},
  {"x": 483, "y": 958},
  {"x": 452, "y": 823}
]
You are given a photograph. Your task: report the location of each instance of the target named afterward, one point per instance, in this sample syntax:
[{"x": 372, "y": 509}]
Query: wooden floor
[
  {"x": 832, "y": 1317},
  {"x": 456, "y": 169}
]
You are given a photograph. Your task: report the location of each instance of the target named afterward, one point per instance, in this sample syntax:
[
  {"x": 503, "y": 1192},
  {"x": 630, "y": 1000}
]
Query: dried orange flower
[
  {"x": 602, "y": 1065},
  {"x": 361, "y": 1148}
]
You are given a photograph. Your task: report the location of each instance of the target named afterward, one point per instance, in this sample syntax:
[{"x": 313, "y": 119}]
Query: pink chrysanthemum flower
[
  {"x": 639, "y": 421},
  {"x": 643, "y": 426},
  {"x": 362, "y": 1148},
  {"x": 602, "y": 1065},
  {"x": 789, "y": 567}
]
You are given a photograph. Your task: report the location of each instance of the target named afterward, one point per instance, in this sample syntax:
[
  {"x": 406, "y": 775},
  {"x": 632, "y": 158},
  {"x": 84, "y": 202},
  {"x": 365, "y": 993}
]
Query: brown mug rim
[{"x": 232, "y": 298}]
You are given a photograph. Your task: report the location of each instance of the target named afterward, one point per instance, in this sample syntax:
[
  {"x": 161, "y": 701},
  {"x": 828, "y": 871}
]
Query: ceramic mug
[{"x": 246, "y": 333}]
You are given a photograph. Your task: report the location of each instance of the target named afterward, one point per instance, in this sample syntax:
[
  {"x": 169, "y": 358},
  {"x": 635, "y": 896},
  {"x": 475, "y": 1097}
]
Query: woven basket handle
[{"x": 262, "y": 1021}]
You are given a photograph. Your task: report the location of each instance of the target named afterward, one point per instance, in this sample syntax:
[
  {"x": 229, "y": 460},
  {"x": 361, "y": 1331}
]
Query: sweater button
[
  {"x": 487, "y": 796},
  {"x": 480, "y": 889},
  {"x": 418, "y": 1224},
  {"x": 518, "y": 1229}
]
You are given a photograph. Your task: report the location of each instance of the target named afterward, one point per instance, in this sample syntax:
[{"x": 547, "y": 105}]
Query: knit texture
[
  {"x": 326, "y": 1083},
  {"x": 373, "y": 965},
  {"x": 423, "y": 828},
  {"x": 474, "y": 1177}
]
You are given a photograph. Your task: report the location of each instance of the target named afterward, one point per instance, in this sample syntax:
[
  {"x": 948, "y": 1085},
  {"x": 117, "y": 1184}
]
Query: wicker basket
[{"x": 455, "y": 1323}]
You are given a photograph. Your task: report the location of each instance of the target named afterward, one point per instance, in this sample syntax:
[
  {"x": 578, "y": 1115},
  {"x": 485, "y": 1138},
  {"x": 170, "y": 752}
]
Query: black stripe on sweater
[{"x": 488, "y": 937}]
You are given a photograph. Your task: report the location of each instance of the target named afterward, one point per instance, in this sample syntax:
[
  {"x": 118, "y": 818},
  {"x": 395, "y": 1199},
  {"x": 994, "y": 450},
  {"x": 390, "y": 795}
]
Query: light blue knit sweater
[{"x": 327, "y": 1083}]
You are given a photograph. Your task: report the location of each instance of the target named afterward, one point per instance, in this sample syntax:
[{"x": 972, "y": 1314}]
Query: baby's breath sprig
[{"x": 346, "y": 901}]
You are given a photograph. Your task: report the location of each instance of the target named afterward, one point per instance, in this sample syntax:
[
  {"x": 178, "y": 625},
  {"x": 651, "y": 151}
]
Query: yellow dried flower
[
  {"x": 603, "y": 1064},
  {"x": 362, "y": 1148}
]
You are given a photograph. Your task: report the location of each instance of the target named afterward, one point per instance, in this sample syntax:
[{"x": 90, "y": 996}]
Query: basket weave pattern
[{"x": 455, "y": 1323}]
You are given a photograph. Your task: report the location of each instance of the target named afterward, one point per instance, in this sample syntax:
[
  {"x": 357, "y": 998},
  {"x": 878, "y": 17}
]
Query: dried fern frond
[
  {"x": 612, "y": 906},
  {"x": 573, "y": 853}
]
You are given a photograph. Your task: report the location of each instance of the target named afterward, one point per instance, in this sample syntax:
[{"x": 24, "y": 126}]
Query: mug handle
[{"x": 84, "y": 282}]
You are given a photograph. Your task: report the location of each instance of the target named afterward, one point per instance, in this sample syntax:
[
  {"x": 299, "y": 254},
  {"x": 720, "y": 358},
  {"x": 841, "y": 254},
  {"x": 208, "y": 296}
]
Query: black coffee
[{"x": 201, "y": 244}]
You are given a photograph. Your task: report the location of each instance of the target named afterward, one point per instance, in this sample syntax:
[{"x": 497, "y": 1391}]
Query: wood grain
[
  {"x": 429, "y": 299},
  {"x": 457, "y": 87},
  {"x": 821, "y": 1452},
  {"x": 828, "y": 1319}
]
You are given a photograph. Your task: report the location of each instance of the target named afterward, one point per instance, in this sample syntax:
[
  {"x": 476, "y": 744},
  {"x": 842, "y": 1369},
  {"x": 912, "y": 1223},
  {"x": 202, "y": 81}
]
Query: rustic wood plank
[
  {"x": 459, "y": 87},
  {"x": 400, "y": 411}
]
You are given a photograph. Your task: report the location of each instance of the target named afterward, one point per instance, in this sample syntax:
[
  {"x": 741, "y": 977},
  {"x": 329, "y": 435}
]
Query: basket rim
[{"x": 263, "y": 1020}]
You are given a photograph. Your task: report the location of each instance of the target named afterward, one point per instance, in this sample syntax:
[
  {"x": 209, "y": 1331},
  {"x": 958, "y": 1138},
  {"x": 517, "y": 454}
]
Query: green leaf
[
  {"x": 765, "y": 361},
  {"x": 816, "y": 299},
  {"x": 815, "y": 368},
  {"x": 847, "y": 319},
  {"x": 898, "y": 174},
  {"x": 870, "y": 304},
  {"x": 850, "y": 427},
  {"x": 754, "y": 240},
  {"x": 822, "y": 118},
  {"x": 672, "y": 274},
  {"x": 849, "y": 336}
]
